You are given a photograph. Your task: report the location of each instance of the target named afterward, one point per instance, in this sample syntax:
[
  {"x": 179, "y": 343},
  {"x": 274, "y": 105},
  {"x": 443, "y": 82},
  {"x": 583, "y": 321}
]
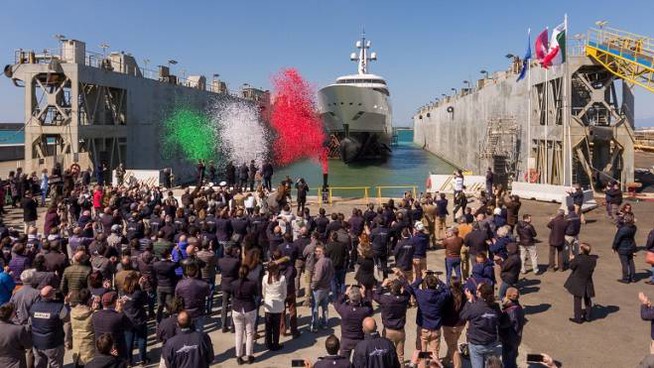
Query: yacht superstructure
[{"x": 356, "y": 111}]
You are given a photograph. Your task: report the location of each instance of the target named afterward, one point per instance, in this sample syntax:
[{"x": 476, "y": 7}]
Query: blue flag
[{"x": 525, "y": 60}]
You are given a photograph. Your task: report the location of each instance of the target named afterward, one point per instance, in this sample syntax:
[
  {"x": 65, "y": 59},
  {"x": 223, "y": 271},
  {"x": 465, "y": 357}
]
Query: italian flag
[{"x": 556, "y": 52}]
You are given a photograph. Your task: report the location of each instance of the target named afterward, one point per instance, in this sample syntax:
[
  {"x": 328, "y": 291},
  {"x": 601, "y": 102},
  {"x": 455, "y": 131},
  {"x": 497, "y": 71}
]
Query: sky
[{"x": 424, "y": 48}]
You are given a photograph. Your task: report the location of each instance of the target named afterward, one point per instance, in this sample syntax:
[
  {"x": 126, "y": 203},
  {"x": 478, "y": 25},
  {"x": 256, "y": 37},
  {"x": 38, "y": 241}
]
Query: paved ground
[{"x": 615, "y": 338}]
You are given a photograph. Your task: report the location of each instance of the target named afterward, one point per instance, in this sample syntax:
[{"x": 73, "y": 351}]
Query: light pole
[
  {"x": 484, "y": 72},
  {"x": 579, "y": 39},
  {"x": 467, "y": 83},
  {"x": 454, "y": 89},
  {"x": 104, "y": 48},
  {"x": 61, "y": 38},
  {"x": 171, "y": 62},
  {"x": 509, "y": 56},
  {"x": 601, "y": 23}
]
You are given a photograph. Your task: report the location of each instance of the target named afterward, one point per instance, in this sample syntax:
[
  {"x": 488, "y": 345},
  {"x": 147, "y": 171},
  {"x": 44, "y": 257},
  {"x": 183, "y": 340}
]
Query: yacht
[{"x": 356, "y": 111}]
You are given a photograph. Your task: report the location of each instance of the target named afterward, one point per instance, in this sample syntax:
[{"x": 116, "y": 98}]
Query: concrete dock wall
[{"x": 556, "y": 142}]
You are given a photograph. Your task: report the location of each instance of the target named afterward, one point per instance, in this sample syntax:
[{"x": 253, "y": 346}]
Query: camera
[
  {"x": 297, "y": 363},
  {"x": 535, "y": 358},
  {"x": 425, "y": 355}
]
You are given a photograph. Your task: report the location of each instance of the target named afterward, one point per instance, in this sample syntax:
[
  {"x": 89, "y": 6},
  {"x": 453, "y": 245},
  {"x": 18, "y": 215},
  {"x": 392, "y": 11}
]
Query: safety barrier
[
  {"x": 551, "y": 193},
  {"x": 414, "y": 190},
  {"x": 330, "y": 196},
  {"x": 445, "y": 183}
]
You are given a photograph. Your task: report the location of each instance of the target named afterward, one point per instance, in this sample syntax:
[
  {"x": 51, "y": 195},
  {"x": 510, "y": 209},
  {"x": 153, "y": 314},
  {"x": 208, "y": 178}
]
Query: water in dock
[{"x": 407, "y": 165}]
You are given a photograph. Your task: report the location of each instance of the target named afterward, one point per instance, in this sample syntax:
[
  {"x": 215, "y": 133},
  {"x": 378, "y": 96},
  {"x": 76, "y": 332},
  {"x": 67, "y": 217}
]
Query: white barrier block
[
  {"x": 149, "y": 177},
  {"x": 552, "y": 193},
  {"x": 540, "y": 192},
  {"x": 445, "y": 183}
]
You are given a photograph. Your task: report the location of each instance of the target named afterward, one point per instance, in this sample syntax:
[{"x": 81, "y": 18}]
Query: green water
[{"x": 407, "y": 165}]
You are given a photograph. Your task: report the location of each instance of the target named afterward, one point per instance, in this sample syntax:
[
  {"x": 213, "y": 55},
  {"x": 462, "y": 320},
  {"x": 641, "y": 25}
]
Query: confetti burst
[{"x": 189, "y": 133}]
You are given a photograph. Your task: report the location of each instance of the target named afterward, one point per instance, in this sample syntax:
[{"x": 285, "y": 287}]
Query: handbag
[{"x": 649, "y": 258}]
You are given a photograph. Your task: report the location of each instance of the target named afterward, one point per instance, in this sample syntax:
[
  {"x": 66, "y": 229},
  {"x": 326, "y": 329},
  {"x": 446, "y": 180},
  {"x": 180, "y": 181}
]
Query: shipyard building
[
  {"x": 90, "y": 108},
  {"x": 571, "y": 123}
]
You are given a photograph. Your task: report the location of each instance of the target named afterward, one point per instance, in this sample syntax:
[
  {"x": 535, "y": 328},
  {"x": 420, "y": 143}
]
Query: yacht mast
[{"x": 363, "y": 57}]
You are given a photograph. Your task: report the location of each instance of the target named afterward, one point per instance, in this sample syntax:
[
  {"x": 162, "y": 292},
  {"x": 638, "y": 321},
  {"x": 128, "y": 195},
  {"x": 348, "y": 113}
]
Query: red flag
[{"x": 542, "y": 45}]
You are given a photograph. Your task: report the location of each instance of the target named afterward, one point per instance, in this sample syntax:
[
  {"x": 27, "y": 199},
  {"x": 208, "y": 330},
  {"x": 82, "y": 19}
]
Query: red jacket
[{"x": 97, "y": 198}]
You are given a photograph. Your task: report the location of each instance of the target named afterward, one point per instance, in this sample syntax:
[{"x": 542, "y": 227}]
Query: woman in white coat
[{"x": 274, "y": 293}]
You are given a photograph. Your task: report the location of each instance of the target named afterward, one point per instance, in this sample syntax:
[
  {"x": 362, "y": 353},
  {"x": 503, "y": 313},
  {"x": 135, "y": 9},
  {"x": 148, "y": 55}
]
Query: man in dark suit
[
  {"x": 557, "y": 226},
  {"x": 580, "y": 282},
  {"x": 228, "y": 265},
  {"x": 14, "y": 340}
]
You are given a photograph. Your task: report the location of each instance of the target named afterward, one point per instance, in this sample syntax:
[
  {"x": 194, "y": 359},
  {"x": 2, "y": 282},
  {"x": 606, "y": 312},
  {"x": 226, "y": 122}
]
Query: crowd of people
[{"x": 114, "y": 264}]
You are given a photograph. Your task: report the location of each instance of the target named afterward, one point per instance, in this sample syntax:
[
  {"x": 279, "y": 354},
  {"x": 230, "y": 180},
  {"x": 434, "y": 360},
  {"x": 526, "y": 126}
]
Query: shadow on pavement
[
  {"x": 529, "y": 286},
  {"x": 603, "y": 311},
  {"x": 306, "y": 339},
  {"x": 535, "y": 309},
  {"x": 642, "y": 276}
]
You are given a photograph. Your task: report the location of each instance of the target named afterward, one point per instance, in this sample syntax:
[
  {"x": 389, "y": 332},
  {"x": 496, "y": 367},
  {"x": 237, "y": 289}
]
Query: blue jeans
[
  {"x": 136, "y": 335},
  {"x": 479, "y": 353},
  {"x": 320, "y": 300},
  {"x": 220, "y": 252},
  {"x": 212, "y": 291},
  {"x": 452, "y": 263},
  {"x": 338, "y": 283},
  {"x": 152, "y": 298},
  {"x": 199, "y": 323},
  {"x": 44, "y": 193}
]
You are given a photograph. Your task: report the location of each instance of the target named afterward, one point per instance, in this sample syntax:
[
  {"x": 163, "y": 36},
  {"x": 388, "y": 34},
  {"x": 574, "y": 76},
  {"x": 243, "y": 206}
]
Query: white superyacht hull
[{"x": 359, "y": 117}]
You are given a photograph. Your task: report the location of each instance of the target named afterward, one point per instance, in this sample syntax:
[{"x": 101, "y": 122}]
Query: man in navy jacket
[
  {"x": 188, "y": 349},
  {"x": 431, "y": 299},
  {"x": 374, "y": 351},
  {"x": 393, "y": 313},
  {"x": 353, "y": 309}
]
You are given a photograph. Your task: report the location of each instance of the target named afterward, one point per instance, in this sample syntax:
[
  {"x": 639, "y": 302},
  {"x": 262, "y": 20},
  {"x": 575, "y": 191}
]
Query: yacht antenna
[{"x": 363, "y": 58}]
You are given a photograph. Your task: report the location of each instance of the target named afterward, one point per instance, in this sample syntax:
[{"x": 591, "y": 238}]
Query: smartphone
[
  {"x": 297, "y": 363},
  {"x": 424, "y": 355},
  {"x": 536, "y": 358}
]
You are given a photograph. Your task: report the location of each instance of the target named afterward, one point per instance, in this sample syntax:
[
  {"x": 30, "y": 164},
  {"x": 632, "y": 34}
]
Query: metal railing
[
  {"x": 626, "y": 55},
  {"x": 96, "y": 59},
  {"x": 365, "y": 191},
  {"x": 622, "y": 40},
  {"x": 380, "y": 188}
]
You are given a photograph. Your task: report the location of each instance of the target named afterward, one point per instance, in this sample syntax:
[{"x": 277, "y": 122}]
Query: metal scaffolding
[
  {"x": 500, "y": 149},
  {"x": 597, "y": 145},
  {"x": 69, "y": 116}
]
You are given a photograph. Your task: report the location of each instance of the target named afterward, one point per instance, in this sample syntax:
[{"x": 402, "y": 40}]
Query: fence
[
  {"x": 364, "y": 192},
  {"x": 330, "y": 197},
  {"x": 380, "y": 188}
]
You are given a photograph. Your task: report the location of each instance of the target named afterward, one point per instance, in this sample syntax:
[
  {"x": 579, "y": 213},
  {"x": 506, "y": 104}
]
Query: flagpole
[
  {"x": 567, "y": 100},
  {"x": 547, "y": 118},
  {"x": 529, "y": 110},
  {"x": 564, "y": 111}
]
